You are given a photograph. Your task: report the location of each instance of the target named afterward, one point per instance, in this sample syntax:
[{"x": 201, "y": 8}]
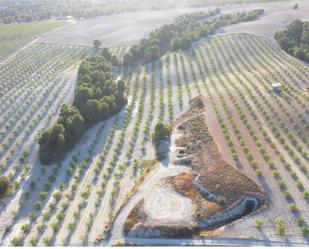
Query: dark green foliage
[
  {"x": 183, "y": 43},
  {"x": 295, "y": 39},
  {"x": 162, "y": 131},
  {"x": 4, "y": 185},
  {"x": 127, "y": 59},
  {"x": 97, "y": 98},
  {"x": 106, "y": 54},
  {"x": 70, "y": 126},
  {"x": 180, "y": 34},
  {"x": 115, "y": 61},
  {"x": 160, "y": 40},
  {"x": 152, "y": 53},
  {"x": 97, "y": 44}
]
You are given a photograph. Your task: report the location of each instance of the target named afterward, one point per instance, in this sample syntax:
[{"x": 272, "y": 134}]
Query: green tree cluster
[
  {"x": 159, "y": 41},
  {"x": 183, "y": 43},
  {"x": 152, "y": 53},
  {"x": 295, "y": 39},
  {"x": 180, "y": 34},
  {"x": 97, "y": 97}
]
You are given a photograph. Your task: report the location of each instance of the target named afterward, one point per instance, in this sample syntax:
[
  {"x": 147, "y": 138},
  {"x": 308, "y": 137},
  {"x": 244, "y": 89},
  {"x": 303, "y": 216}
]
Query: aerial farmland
[{"x": 148, "y": 125}]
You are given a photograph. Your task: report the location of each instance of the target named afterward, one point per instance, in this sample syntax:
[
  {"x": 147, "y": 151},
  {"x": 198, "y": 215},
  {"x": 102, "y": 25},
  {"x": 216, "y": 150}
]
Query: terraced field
[{"x": 262, "y": 134}]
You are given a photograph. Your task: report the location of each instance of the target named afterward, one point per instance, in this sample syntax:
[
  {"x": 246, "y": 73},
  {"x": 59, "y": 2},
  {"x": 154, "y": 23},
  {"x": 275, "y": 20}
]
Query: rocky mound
[{"x": 216, "y": 192}]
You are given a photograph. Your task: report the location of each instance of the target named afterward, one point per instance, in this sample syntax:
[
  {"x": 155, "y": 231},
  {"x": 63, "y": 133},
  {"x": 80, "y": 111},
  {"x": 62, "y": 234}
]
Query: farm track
[{"x": 232, "y": 71}]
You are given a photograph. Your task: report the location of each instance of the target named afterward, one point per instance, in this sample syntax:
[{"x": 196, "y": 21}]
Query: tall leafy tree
[{"x": 97, "y": 44}]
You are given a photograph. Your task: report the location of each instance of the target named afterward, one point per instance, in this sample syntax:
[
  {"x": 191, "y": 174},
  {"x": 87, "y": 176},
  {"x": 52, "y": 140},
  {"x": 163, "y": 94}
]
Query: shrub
[
  {"x": 293, "y": 207},
  {"x": 25, "y": 227},
  {"x": 306, "y": 195},
  {"x": 162, "y": 131},
  {"x": 33, "y": 241},
  {"x": 280, "y": 227},
  {"x": 305, "y": 231},
  {"x": 60, "y": 216},
  {"x": 38, "y": 205},
  {"x": 43, "y": 195},
  {"x": 15, "y": 241},
  {"x": 46, "y": 215},
  {"x": 259, "y": 223},
  {"x": 46, "y": 240},
  {"x": 32, "y": 215},
  {"x": 221, "y": 200},
  {"x": 300, "y": 221},
  {"x": 287, "y": 195},
  {"x": 4, "y": 185}
]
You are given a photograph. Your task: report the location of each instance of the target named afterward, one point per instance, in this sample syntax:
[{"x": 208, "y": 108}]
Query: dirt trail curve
[
  {"x": 207, "y": 242},
  {"x": 145, "y": 190}
]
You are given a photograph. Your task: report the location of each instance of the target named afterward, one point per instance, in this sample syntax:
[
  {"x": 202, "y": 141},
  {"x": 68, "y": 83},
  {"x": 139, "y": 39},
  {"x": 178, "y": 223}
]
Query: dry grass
[
  {"x": 214, "y": 173},
  {"x": 136, "y": 215},
  {"x": 183, "y": 184}
]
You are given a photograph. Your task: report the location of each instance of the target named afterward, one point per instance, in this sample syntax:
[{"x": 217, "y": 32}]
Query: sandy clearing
[
  {"x": 275, "y": 18},
  {"x": 168, "y": 206},
  {"x": 113, "y": 30}
]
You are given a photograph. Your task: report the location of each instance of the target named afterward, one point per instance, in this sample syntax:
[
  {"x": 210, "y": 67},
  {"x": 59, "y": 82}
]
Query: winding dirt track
[{"x": 146, "y": 189}]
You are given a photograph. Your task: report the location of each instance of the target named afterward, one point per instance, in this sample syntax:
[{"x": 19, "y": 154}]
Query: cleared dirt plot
[
  {"x": 276, "y": 17},
  {"x": 168, "y": 207}
]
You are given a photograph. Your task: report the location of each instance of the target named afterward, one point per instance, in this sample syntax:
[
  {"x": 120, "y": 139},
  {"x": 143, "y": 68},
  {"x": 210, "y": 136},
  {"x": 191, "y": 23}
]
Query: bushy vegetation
[
  {"x": 4, "y": 185},
  {"x": 295, "y": 39},
  {"x": 161, "y": 132},
  {"x": 280, "y": 226},
  {"x": 97, "y": 98},
  {"x": 180, "y": 34}
]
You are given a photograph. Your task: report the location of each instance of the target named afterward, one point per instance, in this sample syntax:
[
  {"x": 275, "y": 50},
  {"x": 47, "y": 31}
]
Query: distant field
[
  {"x": 14, "y": 36},
  {"x": 129, "y": 28}
]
